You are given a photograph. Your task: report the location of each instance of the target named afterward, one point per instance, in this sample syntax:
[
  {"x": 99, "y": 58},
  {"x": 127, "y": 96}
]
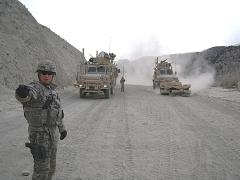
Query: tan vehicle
[
  {"x": 167, "y": 81},
  {"x": 97, "y": 76}
]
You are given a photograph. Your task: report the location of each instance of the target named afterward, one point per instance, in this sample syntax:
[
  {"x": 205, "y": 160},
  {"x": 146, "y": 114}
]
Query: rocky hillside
[
  {"x": 226, "y": 61},
  {"x": 223, "y": 61},
  {"x": 24, "y": 42}
]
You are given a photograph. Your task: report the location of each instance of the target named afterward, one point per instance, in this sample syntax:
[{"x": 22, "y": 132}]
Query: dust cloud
[
  {"x": 138, "y": 69},
  {"x": 196, "y": 71},
  {"x": 190, "y": 67},
  {"x": 137, "y": 72}
]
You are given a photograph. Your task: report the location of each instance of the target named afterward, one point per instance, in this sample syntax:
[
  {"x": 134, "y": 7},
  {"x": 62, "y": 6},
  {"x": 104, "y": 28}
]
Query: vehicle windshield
[
  {"x": 95, "y": 70},
  {"x": 166, "y": 71},
  {"x": 162, "y": 71},
  {"x": 169, "y": 71},
  {"x": 101, "y": 69},
  {"x": 92, "y": 69}
]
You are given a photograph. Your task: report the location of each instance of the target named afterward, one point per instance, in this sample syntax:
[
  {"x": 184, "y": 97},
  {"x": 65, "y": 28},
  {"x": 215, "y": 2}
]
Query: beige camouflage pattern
[
  {"x": 44, "y": 126},
  {"x": 46, "y": 66}
]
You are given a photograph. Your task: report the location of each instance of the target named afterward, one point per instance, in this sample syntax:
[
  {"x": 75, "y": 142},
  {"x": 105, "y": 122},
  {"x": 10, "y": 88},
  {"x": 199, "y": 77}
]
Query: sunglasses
[{"x": 47, "y": 73}]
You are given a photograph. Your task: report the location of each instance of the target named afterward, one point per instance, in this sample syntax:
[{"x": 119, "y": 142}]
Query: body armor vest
[{"x": 44, "y": 109}]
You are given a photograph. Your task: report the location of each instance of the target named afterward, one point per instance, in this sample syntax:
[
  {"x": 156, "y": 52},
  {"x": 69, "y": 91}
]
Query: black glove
[
  {"x": 22, "y": 91},
  {"x": 63, "y": 135}
]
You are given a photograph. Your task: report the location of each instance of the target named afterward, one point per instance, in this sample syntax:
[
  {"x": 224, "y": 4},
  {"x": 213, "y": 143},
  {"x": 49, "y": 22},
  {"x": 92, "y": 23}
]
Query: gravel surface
[{"x": 138, "y": 135}]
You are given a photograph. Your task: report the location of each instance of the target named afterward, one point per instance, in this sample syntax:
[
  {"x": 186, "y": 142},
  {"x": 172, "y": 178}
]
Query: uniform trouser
[
  {"x": 44, "y": 169},
  {"x": 122, "y": 87}
]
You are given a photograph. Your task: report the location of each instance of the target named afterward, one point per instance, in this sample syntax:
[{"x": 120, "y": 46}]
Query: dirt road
[{"x": 138, "y": 135}]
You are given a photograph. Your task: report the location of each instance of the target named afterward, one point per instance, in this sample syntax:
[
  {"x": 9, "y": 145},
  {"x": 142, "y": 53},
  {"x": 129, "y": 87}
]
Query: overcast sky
[{"x": 134, "y": 28}]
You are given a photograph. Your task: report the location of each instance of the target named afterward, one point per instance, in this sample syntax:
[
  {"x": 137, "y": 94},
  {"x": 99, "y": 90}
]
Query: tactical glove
[
  {"x": 63, "y": 135},
  {"x": 22, "y": 91}
]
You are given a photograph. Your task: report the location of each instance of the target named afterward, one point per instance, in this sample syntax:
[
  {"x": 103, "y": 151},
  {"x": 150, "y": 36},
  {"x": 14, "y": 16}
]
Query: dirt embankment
[{"x": 24, "y": 42}]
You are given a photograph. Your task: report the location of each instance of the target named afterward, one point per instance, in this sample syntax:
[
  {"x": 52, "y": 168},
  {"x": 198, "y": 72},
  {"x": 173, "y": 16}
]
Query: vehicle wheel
[
  {"x": 172, "y": 94},
  {"x": 161, "y": 91},
  {"x": 107, "y": 93},
  {"x": 186, "y": 94},
  {"x": 81, "y": 94}
]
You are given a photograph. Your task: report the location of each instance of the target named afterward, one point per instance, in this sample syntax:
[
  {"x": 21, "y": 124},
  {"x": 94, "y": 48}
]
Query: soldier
[
  {"x": 122, "y": 81},
  {"x": 43, "y": 112}
]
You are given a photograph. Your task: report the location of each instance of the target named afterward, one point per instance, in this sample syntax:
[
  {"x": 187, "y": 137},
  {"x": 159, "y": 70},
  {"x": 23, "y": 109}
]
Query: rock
[{"x": 25, "y": 173}]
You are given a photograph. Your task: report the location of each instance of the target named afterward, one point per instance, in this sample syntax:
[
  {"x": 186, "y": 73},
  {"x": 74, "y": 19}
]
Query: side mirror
[{"x": 118, "y": 70}]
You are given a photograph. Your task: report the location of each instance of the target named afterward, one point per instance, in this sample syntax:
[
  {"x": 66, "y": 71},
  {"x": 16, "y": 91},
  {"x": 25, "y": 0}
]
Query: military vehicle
[
  {"x": 167, "y": 81},
  {"x": 97, "y": 76}
]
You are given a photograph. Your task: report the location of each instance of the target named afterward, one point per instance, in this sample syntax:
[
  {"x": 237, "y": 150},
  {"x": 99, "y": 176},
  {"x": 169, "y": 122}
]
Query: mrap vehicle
[
  {"x": 97, "y": 76},
  {"x": 167, "y": 81}
]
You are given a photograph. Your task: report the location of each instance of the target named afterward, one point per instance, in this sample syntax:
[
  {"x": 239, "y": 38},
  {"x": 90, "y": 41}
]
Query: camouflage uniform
[
  {"x": 43, "y": 112},
  {"x": 122, "y": 81}
]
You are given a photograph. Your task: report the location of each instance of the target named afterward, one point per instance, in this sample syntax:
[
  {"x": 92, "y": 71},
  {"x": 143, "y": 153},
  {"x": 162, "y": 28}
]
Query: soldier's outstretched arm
[{"x": 25, "y": 93}]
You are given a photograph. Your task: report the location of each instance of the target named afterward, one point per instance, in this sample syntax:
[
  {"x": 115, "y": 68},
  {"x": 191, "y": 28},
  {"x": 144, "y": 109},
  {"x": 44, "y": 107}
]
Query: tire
[
  {"x": 107, "y": 93},
  {"x": 81, "y": 94}
]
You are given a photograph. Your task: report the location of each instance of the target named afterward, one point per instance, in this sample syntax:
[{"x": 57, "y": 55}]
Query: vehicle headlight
[
  {"x": 80, "y": 85},
  {"x": 104, "y": 85}
]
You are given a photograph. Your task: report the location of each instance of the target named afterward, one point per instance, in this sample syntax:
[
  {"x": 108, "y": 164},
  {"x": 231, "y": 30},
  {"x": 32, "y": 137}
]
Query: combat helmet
[{"x": 46, "y": 66}]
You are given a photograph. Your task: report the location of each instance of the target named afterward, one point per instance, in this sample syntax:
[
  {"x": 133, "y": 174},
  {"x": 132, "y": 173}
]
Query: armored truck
[
  {"x": 167, "y": 81},
  {"x": 97, "y": 76}
]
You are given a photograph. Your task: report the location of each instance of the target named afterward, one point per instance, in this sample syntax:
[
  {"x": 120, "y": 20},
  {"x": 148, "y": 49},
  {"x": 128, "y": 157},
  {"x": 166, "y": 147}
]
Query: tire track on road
[
  {"x": 83, "y": 122},
  {"x": 129, "y": 173},
  {"x": 212, "y": 142}
]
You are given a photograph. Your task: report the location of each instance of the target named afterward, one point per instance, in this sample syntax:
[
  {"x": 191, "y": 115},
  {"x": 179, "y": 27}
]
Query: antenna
[
  {"x": 83, "y": 52},
  {"x": 175, "y": 67},
  {"x": 110, "y": 38}
]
